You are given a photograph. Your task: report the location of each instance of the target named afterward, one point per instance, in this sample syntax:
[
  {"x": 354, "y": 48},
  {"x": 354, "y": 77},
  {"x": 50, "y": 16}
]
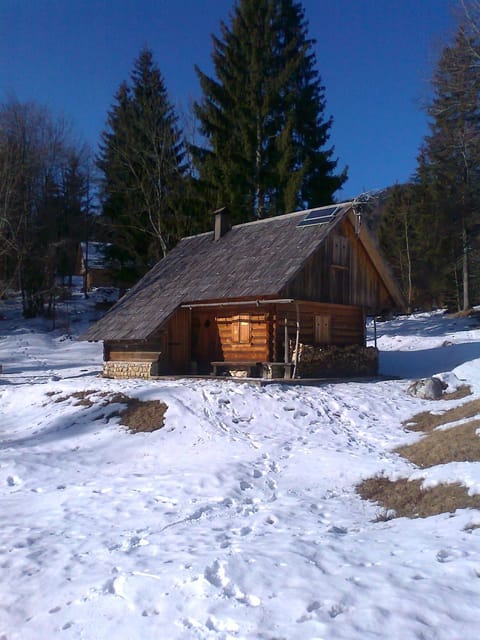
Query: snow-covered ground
[{"x": 238, "y": 519}]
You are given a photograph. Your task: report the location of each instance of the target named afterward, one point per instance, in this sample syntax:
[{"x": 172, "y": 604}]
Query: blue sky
[{"x": 375, "y": 58}]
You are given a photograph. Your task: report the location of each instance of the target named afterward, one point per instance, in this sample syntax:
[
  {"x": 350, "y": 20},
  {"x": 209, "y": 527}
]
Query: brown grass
[
  {"x": 461, "y": 392},
  {"x": 457, "y": 444},
  {"x": 407, "y": 499},
  {"x": 426, "y": 421},
  {"x": 404, "y": 498},
  {"x": 138, "y": 416},
  {"x": 142, "y": 417},
  {"x": 83, "y": 398}
]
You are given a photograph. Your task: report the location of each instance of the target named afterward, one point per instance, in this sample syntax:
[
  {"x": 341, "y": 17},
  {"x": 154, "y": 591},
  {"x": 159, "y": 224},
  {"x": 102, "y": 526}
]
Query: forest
[{"x": 263, "y": 149}]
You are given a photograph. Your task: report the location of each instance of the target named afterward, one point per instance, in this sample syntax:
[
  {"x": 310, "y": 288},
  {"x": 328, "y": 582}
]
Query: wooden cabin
[
  {"x": 91, "y": 265},
  {"x": 254, "y": 298}
]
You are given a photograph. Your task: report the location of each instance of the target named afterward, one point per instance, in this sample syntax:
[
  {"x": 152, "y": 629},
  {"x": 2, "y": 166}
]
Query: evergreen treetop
[
  {"x": 262, "y": 116},
  {"x": 141, "y": 159}
]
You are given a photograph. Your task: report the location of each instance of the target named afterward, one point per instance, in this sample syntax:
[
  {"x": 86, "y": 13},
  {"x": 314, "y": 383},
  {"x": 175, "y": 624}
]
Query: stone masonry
[{"x": 128, "y": 369}]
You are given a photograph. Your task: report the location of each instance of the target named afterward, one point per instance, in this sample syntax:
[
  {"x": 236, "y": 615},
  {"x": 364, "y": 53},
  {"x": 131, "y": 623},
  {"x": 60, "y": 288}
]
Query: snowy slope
[{"x": 239, "y": 518}]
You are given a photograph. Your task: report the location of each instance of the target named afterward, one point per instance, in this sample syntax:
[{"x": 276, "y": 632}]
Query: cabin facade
[
  {"x": 91, "y": 265},
  {"x": 262, "y": 299}
]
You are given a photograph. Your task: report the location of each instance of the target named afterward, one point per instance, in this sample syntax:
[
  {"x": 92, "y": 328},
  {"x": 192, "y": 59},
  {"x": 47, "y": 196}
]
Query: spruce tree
[
  {"x": 141, "y": 159},
  {"x": 263, "y": 116},
  {"x": 450, "y": 157}
]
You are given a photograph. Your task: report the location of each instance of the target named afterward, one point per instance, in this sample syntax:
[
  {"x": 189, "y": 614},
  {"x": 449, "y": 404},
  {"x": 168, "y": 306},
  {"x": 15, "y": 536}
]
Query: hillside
[{"x": 239, "y": 518}]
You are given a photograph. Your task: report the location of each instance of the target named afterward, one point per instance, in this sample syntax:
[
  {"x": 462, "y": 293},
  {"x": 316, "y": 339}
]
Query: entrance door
[
  {"x": 205, "y": 340},
  {"x": 179, "y": 341}
]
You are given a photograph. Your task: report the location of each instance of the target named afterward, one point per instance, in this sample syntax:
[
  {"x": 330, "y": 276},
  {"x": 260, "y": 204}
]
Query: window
[
  {"x": 322, "y": 330},
  {"x": 241, "y": 329}
]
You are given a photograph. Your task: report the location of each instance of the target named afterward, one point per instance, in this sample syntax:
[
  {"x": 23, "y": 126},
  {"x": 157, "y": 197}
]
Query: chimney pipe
[{"x": 222, "y": 223}]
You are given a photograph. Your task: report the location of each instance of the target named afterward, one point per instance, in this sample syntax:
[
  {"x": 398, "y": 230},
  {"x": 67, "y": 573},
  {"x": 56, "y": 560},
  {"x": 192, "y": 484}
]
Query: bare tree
[{"x": 35, "y": 148}]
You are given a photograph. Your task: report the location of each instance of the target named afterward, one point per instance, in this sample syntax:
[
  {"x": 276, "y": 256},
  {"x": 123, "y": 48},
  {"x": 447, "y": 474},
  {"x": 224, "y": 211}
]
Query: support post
[{"x": 297, "y": 340}]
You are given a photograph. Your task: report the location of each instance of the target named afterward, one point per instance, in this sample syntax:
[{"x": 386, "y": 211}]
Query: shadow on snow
[{"x": 426, "y": 362}]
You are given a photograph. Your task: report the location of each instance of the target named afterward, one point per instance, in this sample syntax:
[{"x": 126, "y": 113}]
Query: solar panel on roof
[{"x": 319, "y": 216}]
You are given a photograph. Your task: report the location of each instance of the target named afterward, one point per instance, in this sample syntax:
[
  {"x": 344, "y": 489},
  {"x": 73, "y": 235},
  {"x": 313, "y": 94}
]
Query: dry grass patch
[
  {"x": 406, "y": 498},
  {"x": 82, "y": 397},
  {"x": 457, "y": 444},
  {"x": 139, "y": 416},
  {"x": 426, "y": 421},
  {"x": 461, "y": 392}
]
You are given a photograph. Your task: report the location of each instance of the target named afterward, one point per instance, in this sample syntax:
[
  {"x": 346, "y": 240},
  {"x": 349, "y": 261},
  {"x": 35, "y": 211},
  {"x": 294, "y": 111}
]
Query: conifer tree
[
  {"x": 141, "y": 155},
  {"x": 263, "y": 116},
  {"x": 450, "y": 157}
]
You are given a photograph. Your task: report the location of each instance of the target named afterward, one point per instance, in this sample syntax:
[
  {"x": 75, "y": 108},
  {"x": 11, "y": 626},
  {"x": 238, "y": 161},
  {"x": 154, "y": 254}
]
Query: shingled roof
[{"x": 254, "y": 260}]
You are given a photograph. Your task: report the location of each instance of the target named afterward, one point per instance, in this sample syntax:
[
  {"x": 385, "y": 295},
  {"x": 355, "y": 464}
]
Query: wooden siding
[
  {"x": 140, "y": 352},
  {"x": 346, "y": 324},
  {"x": 340, "y": 272}
]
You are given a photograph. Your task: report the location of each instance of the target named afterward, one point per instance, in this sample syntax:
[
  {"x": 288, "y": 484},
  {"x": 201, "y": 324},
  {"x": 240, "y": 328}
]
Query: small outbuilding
[
  {"x": 91, "y": 264},
  {"x": 280, "y": 297}
]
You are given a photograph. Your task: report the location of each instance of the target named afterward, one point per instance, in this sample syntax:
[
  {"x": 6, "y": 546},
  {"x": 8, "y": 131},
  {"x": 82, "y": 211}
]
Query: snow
[{"x": 237, "y": 520}]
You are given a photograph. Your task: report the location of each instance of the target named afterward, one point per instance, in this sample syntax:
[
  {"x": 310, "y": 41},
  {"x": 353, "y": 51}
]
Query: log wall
[
  {"x": 258, "y": 346},
  {"x": 136, "y": 351},
  {"x": 346, "y": 324}
]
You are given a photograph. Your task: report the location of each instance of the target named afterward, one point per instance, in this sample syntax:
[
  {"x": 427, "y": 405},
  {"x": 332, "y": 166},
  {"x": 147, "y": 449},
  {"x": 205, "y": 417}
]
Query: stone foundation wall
[
  {"x": 126, "y": 369},
  {"x": 333, "y": 361}
]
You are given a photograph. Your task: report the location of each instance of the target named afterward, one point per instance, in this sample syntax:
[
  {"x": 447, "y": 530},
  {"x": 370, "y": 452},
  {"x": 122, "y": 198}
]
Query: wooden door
[
  {"x": 205, "y": 340},
  {"x": 179, "y": 341},
  {"x": 322, "y": 329}
]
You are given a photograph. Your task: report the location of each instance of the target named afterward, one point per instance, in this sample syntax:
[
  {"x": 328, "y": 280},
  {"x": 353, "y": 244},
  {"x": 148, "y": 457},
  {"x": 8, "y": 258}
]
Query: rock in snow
[{"x": 427, "y": 388}]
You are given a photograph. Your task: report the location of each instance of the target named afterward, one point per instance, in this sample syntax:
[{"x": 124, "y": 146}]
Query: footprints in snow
[
  {"x": 308, "y": 412},
  {"x": 316, "y": 610},
  {"x": 216, "y": 575}
]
